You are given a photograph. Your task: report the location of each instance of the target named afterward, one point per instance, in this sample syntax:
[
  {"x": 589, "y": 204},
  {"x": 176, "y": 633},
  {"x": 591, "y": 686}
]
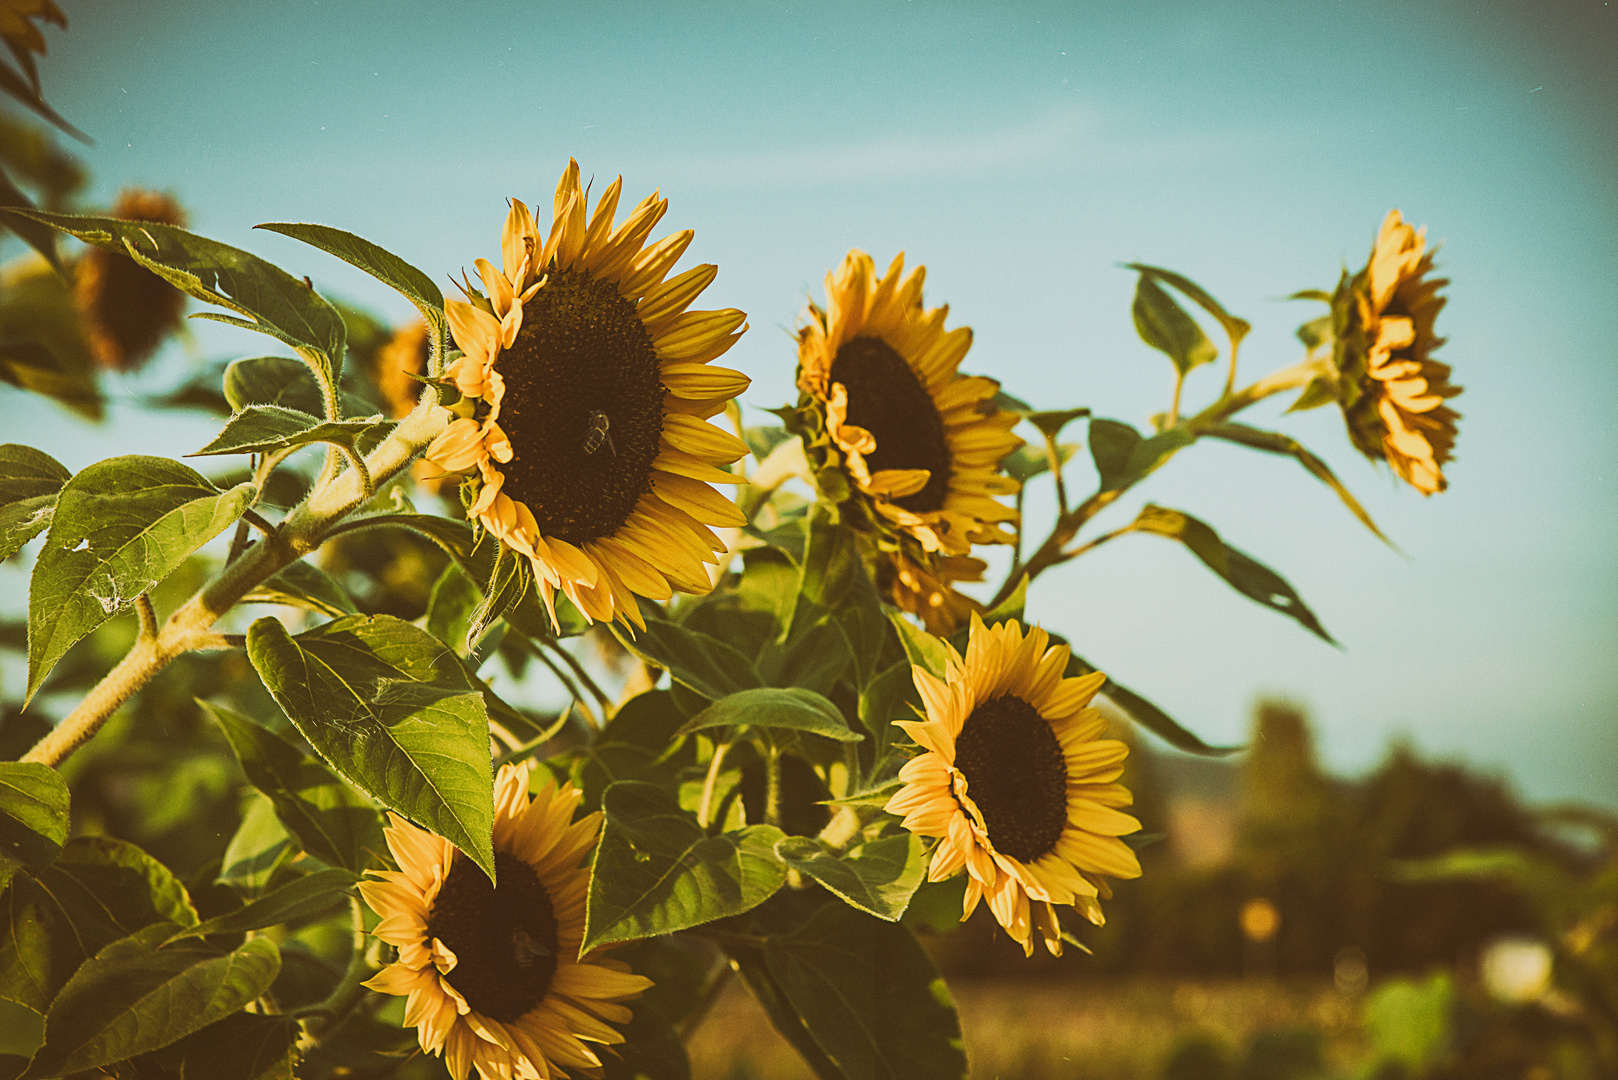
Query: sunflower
[
  {"x": 127, "y": 309},
  {"x": 1392, "y": 392},
  {"x": 1018, "y": 783},
  {"x": 492, "y": 973},
  {"x": 926, "y": 589},
  {"x": 398, "y": 366},
  {"x": 920, "y": 442},
  {"x": 588, "y": 386}
]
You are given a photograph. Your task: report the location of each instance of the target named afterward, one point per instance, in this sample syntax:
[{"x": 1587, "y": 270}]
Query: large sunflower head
[
  {"x": 1018, "y": 783},
  {"x": 492, "y": 973},
  {"x": 919, "y": 443},
  {"x": 589, "y": 386},
  {"x": 1392, "y": 391},
  {"x": 127, "y": 309}
]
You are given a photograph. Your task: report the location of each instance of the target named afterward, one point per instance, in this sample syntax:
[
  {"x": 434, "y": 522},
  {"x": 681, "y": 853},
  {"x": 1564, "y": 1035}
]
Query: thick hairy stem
[
  {"x": 772, "y": 786},
  {"x": 189, "y": 628},
  {"x": 1067, "y": 525},
  {"x": 330, "y": 1014}
]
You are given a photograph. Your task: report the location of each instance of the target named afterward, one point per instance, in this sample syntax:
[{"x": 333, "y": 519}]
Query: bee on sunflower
[
  {"x": 1393, "y": 393},
  {"x": 583, "y": 334},
  {"x": 893, "y": 431},
  {"x": 1017, "y": 782},
  {"x": 492, "y": 973}
]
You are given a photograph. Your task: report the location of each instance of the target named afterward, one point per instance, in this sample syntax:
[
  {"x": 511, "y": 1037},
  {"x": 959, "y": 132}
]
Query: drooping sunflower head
[
  {"x": 492, "y": 973},
  {"x": 589, "y": 387},
  {"x": 127, "y": 310},
  {"x": 1393, "y": 393},
  {"x": 1018, "y": 783},
  {"x": 918, "y": 443},
  {"x": 926, "y": 589}
]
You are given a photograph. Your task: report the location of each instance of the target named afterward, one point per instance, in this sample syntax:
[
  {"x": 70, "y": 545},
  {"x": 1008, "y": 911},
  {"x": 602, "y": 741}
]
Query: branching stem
[
  {"x": 189, "y": 628},
  {"x": 710, "y": 782}
]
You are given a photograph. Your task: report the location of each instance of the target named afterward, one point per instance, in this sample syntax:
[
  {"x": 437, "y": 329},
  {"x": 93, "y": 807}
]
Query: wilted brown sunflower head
[{"x": 128, "y": 310}]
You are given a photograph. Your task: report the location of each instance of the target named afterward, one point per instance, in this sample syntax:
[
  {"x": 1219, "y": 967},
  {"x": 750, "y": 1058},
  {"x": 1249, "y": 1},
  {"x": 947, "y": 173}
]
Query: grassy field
[{"x": 1065, "y": 1031}]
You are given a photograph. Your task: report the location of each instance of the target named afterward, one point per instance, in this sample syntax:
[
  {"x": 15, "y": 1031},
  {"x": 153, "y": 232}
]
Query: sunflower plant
[{"x": 287, "y": 799}]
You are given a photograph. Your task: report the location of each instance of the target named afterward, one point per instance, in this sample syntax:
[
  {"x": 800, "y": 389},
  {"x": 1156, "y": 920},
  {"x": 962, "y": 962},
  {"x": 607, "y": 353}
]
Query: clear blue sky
[{"x": 1021, "y": 151}]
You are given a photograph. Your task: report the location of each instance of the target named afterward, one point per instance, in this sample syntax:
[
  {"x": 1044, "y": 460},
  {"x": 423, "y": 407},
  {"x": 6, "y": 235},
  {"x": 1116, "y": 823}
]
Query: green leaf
[
  {"x": 97, "y": 891},
  {"x": 450, "y": 606},
  {"x": 395, "y": 713},
  {"x": 261, "y": 846},
  {"x": 1318, "y": 392},
  {"x": 1029, "y": 461},
  {"x": 1165, "y": 326},
  {"x": 1276, "y": 443},
  {"x": 791, "y": 708},
  {"x": 922, "y": 649},
  {"x": 869, "y": 996},
  {"x": 121, "y": 527},
  {"x": 271, "y": 429},
  {"x": 705, "y": 664},
  {"x": 133, "y": 997},
  {"x": 1112, "y": 444},
  {"x": 1316, "y": 332},
  {"x": 510, "y": 579},
  {"x": 380, "y": 263},
  {"x": 878, "y": 877},
  {"x": 303, "y": 584},
  {"x": 29, "y": 481},
  {"x": 1235, "y": 328},
  {"x": 330, "y": 820},
  {"x": 40, "y": 369},
  {"x": 35, "y": 235},
  {"x": 1052, "y": 421},
  {"x": 22, "y": 1029},
  {"x": 242, "y": 1046},
  {"x": 1141, "y": 711},
  {"x": 33, "y": 816},
  {"x": 274, "y": 302},
  {"x": 883, "y": 701},
  {"x": 1011, "y": 608},
  {"x": 299, "y": 898},
  {"x": 282, "y": 381},
  {"x": 656, "y": 872},
  {"x": 1243, "y": 573},
  {"x": 835, "y": 587}
]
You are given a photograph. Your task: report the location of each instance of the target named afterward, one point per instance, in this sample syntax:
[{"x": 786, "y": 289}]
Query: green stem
[
  {"x": 710, "y": 782},
  {"x": 1051, "y": 552},
  {"x": 191, "y": 626},
  {"x": 1174, "y": 405},
  {"x": 331, "y": 1014},
  {"x": 772, "y": 786},
  {"x": 1054, "y": 453}
]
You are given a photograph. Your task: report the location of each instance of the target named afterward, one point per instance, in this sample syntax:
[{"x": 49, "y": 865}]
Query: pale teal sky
[{"x": 1021, "y": 151}]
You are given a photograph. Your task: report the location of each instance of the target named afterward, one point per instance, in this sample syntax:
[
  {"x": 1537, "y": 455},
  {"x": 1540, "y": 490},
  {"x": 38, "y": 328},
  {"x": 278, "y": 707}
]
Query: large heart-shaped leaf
[
  {"x": 395, "y": 713},
  {"x": 121, "y": 527},
  {"x": 656, "y": 872},
  {"x": 878, "y": 877},
  {"x": 29, "y": 481},
  {"x": 33, "y": 816},
  {"x": 135, "y": 996},
  {"x": 773, "y": 707}
]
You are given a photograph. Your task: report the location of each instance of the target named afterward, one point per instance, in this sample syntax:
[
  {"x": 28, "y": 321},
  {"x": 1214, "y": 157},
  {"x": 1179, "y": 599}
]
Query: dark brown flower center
[
  {"x": 583, "y": 407},
  {"x": 886, "y": 399},
  {"x": 504, "y": 939},
  {"x": 1017, "y": 775}
]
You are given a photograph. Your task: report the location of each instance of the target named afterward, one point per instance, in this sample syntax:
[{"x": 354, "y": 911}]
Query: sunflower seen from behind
[
  {"x": 586, "y": 389},
  {"x": 492, "y": 975},
  {"x": 1394, "y": 395},
  {"x": 1017, "y": 782},
  {"x": 917, "y": 443}
]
